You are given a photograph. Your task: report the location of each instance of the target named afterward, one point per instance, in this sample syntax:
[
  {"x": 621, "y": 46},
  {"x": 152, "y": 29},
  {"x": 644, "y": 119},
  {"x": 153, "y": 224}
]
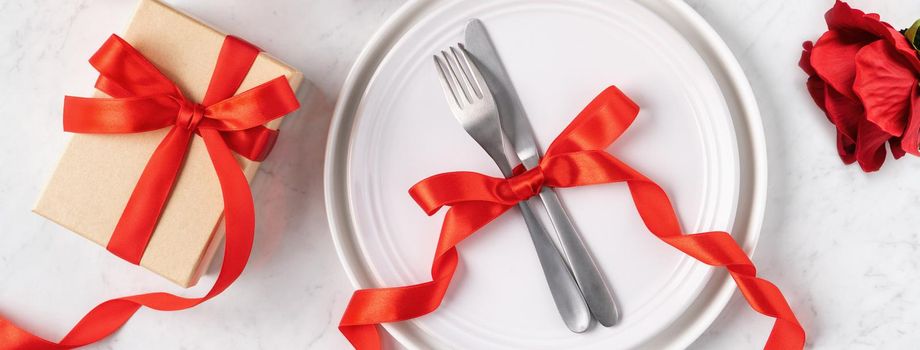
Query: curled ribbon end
[
  {"x": 418, "y": 195},
  {"x": 615, "y": 97}
]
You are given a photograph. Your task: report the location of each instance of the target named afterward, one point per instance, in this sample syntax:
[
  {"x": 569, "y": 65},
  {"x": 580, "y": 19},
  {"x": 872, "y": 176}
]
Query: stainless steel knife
[{"x": 517, "y": 128}]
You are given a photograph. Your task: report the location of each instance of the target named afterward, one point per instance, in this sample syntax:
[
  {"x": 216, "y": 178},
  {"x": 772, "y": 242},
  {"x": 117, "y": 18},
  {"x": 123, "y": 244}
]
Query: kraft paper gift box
[{"x": 97, "y": 173}]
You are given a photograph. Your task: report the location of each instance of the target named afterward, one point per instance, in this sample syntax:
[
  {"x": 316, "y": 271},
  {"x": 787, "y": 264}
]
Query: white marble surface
[{"x": 843, "y": 245}]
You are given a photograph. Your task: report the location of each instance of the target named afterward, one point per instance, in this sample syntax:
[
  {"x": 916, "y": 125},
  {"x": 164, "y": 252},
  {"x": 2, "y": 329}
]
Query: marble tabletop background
[{"x": 843, "y": 245}]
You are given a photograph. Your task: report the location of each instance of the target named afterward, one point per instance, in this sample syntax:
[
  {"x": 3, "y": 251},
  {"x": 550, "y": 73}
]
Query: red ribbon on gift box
[
  {"x": 143, "y": 100},
  {"x": 576, "y": 158}
]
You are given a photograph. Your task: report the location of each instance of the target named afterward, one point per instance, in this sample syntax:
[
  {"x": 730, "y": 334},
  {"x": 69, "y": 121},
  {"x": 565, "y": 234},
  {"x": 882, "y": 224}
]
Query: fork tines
[{"x": 460, "y": 78}]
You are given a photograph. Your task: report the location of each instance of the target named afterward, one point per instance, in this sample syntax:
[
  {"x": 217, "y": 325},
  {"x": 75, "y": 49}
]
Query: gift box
[{"x": 98, "y": 172}]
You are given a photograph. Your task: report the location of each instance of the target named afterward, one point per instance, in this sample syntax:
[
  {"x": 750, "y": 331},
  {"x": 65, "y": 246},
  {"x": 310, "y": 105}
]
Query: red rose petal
[
  {"x": 904, "y": 48},
  {"x": 814, "y": 84},
  {"x": 805, "y": 60},
  {"x": 846, "y": 114},
  {"x": 843, "y": 112},
  {"x": 846, "y": 148},
  {"x": 834, "y": 59},
  {"x": 911, "y": 141},
  {"x": 870, "y": 146},
  {"x": 861, "y": 26},
  {"x": 816, "y": 88},
  {"x": 896, "y": 150},
  {"x": 884, "y": 84},
  {"x": 842, "y": 16}
]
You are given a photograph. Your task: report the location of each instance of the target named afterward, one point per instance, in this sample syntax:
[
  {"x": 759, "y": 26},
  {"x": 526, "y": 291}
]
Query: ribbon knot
[
  {"x": 526, "y": 184},
  {"x": 190, "y": 114}
]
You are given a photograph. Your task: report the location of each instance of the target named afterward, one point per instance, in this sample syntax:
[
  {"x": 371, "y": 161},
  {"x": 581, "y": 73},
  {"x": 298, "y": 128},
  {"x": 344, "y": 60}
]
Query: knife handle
[
  {"x": 566, "y": 294},
  {"x": 588, "y": 276}
]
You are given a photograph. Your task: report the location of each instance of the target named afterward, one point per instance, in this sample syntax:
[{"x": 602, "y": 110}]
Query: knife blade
[
  {"x": 511, "y": 113},
  {"x": 517, "y": 128}
]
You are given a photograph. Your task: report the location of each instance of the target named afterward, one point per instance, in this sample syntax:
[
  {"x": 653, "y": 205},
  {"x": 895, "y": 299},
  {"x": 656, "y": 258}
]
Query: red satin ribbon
[
  {"x": 143, "y": 100},
  {"x": 576, "y": 158}
]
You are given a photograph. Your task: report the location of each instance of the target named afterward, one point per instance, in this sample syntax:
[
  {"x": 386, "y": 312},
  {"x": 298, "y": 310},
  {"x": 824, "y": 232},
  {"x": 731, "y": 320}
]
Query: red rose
[{"x": 864, "y": 74}]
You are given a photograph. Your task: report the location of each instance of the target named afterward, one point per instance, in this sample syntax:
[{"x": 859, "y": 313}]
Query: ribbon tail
[
  {"x": 371, "y": 307},
  {"x": 239, "y": 211},
  {"x": 108, "y": 317},
  {"x": 139, "y": 219},
  {"x": 15, "y": 338},
  {"x": 717, "y": 249},
  {"x": 767, "y": 299},
  {"x": 361, "y": 336},
  {"x": 712, "y": 248},
  {"x": 576, "y": 159}
]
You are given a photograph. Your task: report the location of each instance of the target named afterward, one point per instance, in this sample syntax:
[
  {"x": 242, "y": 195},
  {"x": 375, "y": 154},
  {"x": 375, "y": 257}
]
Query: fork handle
[
  {"x": 589, "y": 278},
  {"x": 568, "y": 298}
]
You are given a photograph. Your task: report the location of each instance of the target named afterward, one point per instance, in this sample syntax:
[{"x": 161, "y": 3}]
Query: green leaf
[{"x": 911, "y": 34}]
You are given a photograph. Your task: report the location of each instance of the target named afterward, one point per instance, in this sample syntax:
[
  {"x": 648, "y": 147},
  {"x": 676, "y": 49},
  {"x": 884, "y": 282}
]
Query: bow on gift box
[
  {"x": 144, "y": 100},
  {"x": 576, "y": 158}
]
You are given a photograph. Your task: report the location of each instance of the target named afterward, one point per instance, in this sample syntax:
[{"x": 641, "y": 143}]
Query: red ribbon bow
[
  {"x": 576, "y": 158},
  {"x": 145, "y": 100}
]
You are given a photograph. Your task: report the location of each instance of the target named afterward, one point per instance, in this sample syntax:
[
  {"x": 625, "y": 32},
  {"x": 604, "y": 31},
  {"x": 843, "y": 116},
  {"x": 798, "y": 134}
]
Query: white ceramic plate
[{"x": 698, "y": 135}]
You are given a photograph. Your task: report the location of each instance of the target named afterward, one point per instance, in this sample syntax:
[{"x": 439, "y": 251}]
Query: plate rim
[{"x": 723, "y": 65}]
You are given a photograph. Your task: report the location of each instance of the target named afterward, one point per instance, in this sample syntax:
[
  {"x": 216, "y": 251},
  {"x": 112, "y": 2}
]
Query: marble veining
[{"x": 842, "y": 244}]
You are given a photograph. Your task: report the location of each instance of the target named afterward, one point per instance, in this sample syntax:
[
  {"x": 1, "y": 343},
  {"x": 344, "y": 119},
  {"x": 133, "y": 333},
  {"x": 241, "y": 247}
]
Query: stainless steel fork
[{"x": 472, "y": 104}]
